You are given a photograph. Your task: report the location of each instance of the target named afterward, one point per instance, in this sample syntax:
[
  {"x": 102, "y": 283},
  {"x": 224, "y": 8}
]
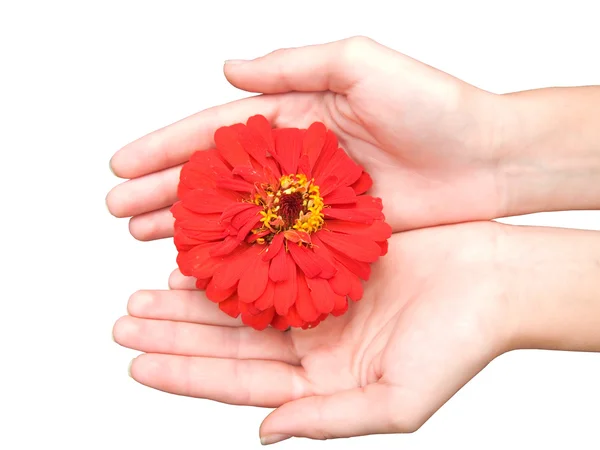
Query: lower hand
[{"x": 432, "y": 316}]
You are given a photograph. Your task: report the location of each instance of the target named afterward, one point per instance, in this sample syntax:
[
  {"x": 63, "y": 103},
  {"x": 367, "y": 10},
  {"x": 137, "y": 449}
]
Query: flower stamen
[{"x": 295, "y": 204}]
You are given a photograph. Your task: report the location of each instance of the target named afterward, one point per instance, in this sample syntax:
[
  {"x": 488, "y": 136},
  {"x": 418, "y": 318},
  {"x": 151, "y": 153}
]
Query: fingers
[
  {"x": 335, "y": 66},
  {"x": 175, "y": 143},
  {"x": 355, "y": 412},
  {"x": 181, "y": 306},
  {"x": 179, "y": 281},
  {"x": 153, "y": 225},
  {"x": 190, "y": 339},
  {"x": 238, "y": 382},
  {"x": 154, "y": 191}
]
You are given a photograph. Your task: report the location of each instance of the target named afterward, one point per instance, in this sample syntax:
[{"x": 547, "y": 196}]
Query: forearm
[
  {"x": 548, "y": 145},
  {"x": 554, "y": 279}
]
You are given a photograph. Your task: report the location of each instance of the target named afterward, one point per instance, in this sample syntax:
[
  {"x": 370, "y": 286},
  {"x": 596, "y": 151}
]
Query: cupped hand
[
  {"x": 432, "y": 316},
  {"x": 425, "y": 137}
]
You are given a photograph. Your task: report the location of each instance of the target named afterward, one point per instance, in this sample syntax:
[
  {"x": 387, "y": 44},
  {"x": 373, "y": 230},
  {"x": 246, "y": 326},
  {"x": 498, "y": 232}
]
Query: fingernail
[
  {"x": 129, "y": 368},
  {"x": 234, "y": 62},
  {"x": 273, "y": 438}
]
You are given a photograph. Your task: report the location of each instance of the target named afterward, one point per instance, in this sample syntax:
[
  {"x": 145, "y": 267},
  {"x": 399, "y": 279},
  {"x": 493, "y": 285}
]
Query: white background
[{"x": 81, "y": 79}]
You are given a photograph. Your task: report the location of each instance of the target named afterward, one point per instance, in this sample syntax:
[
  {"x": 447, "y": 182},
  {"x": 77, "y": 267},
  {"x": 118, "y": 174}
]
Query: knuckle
[{"x": 356, "y": 48}]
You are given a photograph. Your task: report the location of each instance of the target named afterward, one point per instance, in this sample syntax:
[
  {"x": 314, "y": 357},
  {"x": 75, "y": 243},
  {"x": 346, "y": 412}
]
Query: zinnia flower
[{"x": 275, "y": 225}]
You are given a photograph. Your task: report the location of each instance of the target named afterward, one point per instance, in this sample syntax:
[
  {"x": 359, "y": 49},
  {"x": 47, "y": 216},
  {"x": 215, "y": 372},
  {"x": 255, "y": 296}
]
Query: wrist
[
  {"x": 547, "y": 147},
  {"x": 553, "y": 294}
]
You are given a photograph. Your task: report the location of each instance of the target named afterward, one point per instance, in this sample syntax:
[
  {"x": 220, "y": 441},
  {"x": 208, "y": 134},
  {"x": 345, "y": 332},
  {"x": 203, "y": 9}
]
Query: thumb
[
  {"x": 357, "y": 412},
  {"x": 334, "y": 66}
]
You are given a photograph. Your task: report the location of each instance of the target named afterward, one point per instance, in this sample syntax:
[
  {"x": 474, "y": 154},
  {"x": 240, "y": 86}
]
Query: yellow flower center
[{"x": 295, "y": 205}]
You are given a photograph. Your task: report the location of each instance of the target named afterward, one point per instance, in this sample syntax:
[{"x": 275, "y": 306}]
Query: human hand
[
  {"x": 432, "y": 316},
  {"x": 424, "y": 136}
]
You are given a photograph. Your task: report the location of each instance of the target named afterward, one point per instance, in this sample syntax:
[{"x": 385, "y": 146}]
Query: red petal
[
  {"x": 359, "y": 268},
  {"x": 341, "y": 195},
  {"x": 250, "y": 225},
  {"x": 250, "y": 174},
  {"x": 286, "y": 291},
  {"x": 311, "y": 263},
  {"x": 254, "y": 281},
  {"x": 189, "y": 219},
  {"x": 259, "y": 234},
  {"x": 202, "y": 283},
  {"x": 248, "y": 308},
  {"x": 185, "y": 243},
  {"x": 229, "y": 147},
  {"x": 293, "y": 318},
  {"x": 261, "y": 126},
  {"x": 189, "y": 262},
  {"x": 305, "y": 261},
  {"x": 328, "y": 186},
  {"x": 274, "y": 247},
  {"x": 304, "y": 166},
  {"x": 203, "y": 169},
  {"x": 229, "y": 273},
  {"x": 225, "y": 247},
  {"x": 313, "y": 142},
  {"x": 280, "y": 323},
  {"x": 349, "y": 214},
  {"x": 359, "y": 249},
  {"x": 234, "y": 185},
  {"x": 304, "y": 303},
  {"x": 208, "y": 200},
  {"x": 266, "y": 298},
  {"x": 384, "y": 247},
  {"x": 341, "y": 283},
  {"x": 329, "y": 148},
  {"x": 278, "y": 270},
  {"x": 241, "y": 219},
  {"x": 272, "y": 172},
  {"x": 216, "y": 294},
  {"x": 367, "y": 205},
  {"x": 254, "y": 143},
  {"x": 230, "y": 306},
  {"x": 259, "y": 321},
  {"x": 371, "y": 203},
  {"x": 356, "y": 291},
  {"x": 188, "y": 237},
  {"x": 340, "y": 306},
  {"x": 322, "y": 294},
  {"x": 235, "y": 209},
  {"x": 346, "y": 283},
  {"x": 363, "y": 184},
  {"x": 340, "y": 164},
  {"x": 322, "y": 251},
  {"x": 288, "y": 145},
  {"x": 377, "y": 231}
]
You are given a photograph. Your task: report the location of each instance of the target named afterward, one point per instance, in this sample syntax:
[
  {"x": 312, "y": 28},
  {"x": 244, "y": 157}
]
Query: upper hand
[{"x": 424, "y": 136}]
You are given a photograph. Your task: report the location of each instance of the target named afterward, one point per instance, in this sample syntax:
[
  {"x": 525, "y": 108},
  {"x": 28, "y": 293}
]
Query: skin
[
  {"x": 428, "y": 134},
  {"x": 445, "y": 301},
  {"x": 420, "y": 333},
  {"x": 428, "y": 322}
]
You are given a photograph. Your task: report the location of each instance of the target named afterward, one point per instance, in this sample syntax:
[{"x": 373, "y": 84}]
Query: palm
[
  {"x": 421, "y": 134},
  {"x": 425, "y": 326}
]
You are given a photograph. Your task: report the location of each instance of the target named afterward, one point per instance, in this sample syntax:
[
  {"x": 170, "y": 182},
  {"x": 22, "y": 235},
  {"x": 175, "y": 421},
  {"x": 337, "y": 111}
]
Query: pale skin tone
[
  {"x": 445, "y": 301},
  {"x": 428, "y": 322}
]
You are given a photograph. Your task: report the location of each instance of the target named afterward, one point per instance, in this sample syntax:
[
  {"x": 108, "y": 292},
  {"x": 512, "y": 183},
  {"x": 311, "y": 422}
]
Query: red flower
[{"x": 275, "y": 226}]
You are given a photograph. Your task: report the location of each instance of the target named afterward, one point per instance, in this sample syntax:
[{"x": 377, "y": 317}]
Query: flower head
[{"x": 275, "y": 225}]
